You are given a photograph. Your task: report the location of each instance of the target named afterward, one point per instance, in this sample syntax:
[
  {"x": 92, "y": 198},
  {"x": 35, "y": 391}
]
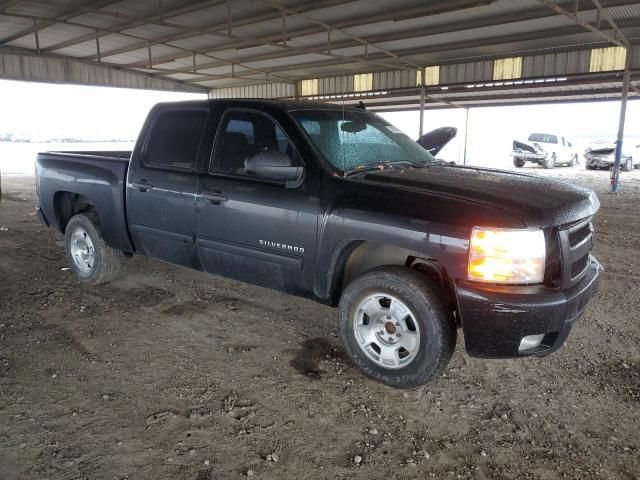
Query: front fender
[{"x": 343, "y": 230}]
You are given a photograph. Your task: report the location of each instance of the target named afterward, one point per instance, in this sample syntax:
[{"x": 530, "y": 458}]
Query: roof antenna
[{"x": 361, "y": 105}]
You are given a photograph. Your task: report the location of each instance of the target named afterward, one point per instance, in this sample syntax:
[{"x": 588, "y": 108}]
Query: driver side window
[{"x": 244, "y": 136}]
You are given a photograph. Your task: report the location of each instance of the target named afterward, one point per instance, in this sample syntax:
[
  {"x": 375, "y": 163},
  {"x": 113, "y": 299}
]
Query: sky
[{"x": 44, "y": 111}]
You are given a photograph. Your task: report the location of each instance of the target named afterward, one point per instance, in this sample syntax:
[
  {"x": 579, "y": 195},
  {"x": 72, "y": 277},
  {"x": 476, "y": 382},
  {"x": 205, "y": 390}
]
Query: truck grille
[{"x": 575, "y": 243}]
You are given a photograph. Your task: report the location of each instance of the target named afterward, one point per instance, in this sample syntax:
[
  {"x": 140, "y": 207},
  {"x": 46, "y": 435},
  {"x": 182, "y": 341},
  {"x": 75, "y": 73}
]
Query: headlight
[{"x": 506, "y": 256}]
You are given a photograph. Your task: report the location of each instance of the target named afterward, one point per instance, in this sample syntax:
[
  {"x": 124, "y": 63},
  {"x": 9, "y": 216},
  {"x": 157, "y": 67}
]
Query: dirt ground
[{"x": 172, "y": 374}]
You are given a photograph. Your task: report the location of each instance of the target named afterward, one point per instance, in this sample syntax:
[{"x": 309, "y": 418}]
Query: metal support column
[
  {"x": 466, "y": 136},
  {"x": 623, "y": 113},
  {"x": 422, "y": 95}
]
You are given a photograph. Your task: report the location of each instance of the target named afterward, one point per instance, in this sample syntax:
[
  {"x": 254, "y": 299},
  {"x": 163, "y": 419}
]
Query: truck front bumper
[
  {"x": 530, "y": 157},
  {"x": 495, "y": 320}
]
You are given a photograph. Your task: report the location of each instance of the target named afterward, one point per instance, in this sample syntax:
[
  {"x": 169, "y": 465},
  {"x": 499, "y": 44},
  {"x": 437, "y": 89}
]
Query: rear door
[
  {"x": 162, "y": 185},
  {"x": 253, "y": 229}
]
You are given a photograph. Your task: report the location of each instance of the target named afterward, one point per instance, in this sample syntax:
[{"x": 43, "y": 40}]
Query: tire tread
[
  {"x": 109, "y": 258},
  {"x": 423, "y": 290}
]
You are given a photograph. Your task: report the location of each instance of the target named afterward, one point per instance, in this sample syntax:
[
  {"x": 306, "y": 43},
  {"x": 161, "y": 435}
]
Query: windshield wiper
[
  {"x": 438, "y": 161},
  {"x": 382, "y": 166}
]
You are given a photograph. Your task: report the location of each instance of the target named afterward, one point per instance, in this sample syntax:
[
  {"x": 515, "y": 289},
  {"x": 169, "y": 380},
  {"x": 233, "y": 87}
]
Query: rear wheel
[
  {"x": 91, "y": 259},
  {"x": 628, "y": 165},
  {"x": 573, "y": 161},
  {"x": 394, "y": 327},
  {"x": 518, "y": 162}
]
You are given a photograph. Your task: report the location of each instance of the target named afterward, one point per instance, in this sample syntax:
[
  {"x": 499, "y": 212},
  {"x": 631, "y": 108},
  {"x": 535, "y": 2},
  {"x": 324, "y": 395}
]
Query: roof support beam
[
  {"x": 619, "y": 34},
  {"x": 330, "y": 28},
  {"x": 25, "y": 65},
  {"x": 273, "y": 39},
  {"x": 448, "y": 47},
  {"x": 47, "y": 22},
  {"x": 131, "y": 22},
  {"x": 99, "y": 59},
  {"x": 276, "y": 42},
  {"x": 148, "y": 43},
  {"x": 622, "y": 42},
  {"x": 221, "y": 28},
  {"x": 402, "y": 35},
  {"x": 36, "y": 34}
]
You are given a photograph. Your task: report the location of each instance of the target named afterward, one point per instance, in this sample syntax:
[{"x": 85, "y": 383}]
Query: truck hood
[
  {"x": 437, "y": 139},
  {"x": 524, "y": 146},
  {"x": 536, "y": 201}
]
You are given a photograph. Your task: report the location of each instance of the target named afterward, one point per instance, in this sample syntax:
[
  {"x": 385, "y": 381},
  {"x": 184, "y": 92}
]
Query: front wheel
[
  {"x": 518, "y": 162},
  {"x": 91, "y": 259},
  {"x": 550, "y": 162},
  {"x": 394, "y": 327},
  {"x": 628, "y": 165}
]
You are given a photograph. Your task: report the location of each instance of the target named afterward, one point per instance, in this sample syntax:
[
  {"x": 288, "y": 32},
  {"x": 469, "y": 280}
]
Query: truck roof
[{"x": 287, "y": 105}]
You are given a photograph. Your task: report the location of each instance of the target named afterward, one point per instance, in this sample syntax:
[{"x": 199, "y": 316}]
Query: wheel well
[
  {"x": 360, "y": 257},
  {"x": 68, "y": 204}
]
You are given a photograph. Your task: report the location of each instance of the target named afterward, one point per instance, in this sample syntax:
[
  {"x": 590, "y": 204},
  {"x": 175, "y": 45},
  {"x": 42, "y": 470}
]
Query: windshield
[
  {"x": 353, "y": 140},
  {"x": 543, "y": 138}
]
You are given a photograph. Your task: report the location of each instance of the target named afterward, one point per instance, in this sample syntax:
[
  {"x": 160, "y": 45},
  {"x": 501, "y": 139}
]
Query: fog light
[{"x": 529, "y": 342}]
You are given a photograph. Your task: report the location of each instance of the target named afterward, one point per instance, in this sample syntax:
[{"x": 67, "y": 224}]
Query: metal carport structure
[{"x": 392, "y": 55}]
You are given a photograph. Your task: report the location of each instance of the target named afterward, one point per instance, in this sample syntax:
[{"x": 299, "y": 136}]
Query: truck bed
[
  {"x": 117, "y": 155},
  {"x": 98, "y": 176}
]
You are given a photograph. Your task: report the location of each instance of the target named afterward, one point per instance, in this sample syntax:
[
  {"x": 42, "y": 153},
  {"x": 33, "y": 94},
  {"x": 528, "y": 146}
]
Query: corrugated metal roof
[{"x": 242, "y": 42}]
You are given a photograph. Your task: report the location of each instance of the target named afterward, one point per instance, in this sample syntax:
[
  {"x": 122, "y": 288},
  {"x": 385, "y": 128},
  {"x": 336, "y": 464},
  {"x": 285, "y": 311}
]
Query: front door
[
  {"x": 254, "y": 229},
  {"x": 162, "y": 186}
]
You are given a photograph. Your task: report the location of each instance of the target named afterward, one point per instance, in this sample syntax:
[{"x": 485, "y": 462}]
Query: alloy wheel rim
[
  {"x": 386, "y": 331},
  {"x": 82, "y": 250}
]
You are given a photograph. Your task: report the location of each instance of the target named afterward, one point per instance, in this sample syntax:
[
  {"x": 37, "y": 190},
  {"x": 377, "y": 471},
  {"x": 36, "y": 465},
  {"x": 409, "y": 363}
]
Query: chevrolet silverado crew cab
[{"x": 337, "y": 205}]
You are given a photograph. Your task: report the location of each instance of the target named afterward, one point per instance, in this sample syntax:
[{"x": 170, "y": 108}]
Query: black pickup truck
[{"x": 337, "y": 205}]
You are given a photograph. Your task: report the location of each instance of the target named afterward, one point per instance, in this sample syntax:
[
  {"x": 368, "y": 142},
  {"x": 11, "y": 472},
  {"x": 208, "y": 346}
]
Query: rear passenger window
[
  {"x": 246, "y": 134},
  {"x": 175, "y": 139}
]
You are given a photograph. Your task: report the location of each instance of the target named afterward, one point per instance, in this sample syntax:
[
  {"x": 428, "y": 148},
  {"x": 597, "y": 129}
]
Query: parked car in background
[
  {"x": 602, "y": 154},
  {"x": 544, "y": 149}
]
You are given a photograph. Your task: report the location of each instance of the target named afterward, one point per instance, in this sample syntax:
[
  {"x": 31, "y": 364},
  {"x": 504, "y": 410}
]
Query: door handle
[
  {"x": 215, "y": 197},
  {"x": 142, "y": 185}
]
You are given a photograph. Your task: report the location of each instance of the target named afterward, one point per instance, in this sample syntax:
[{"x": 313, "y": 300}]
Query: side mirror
[{"x": 274, "y": 165}]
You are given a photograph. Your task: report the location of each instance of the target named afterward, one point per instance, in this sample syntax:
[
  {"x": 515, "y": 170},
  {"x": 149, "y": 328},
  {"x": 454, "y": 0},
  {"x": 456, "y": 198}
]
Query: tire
[
  {"x": 518, "y": 162},
  {"x": 432, "y": 340},
  {"x": 550, "y": 162},
  {"x": 90, "y": 258},
  {"x": 628, "y": 165},
  {"x": 573, "y": 161}
]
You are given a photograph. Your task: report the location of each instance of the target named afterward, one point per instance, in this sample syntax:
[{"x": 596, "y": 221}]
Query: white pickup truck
[{"x": 544, "y": 149}]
